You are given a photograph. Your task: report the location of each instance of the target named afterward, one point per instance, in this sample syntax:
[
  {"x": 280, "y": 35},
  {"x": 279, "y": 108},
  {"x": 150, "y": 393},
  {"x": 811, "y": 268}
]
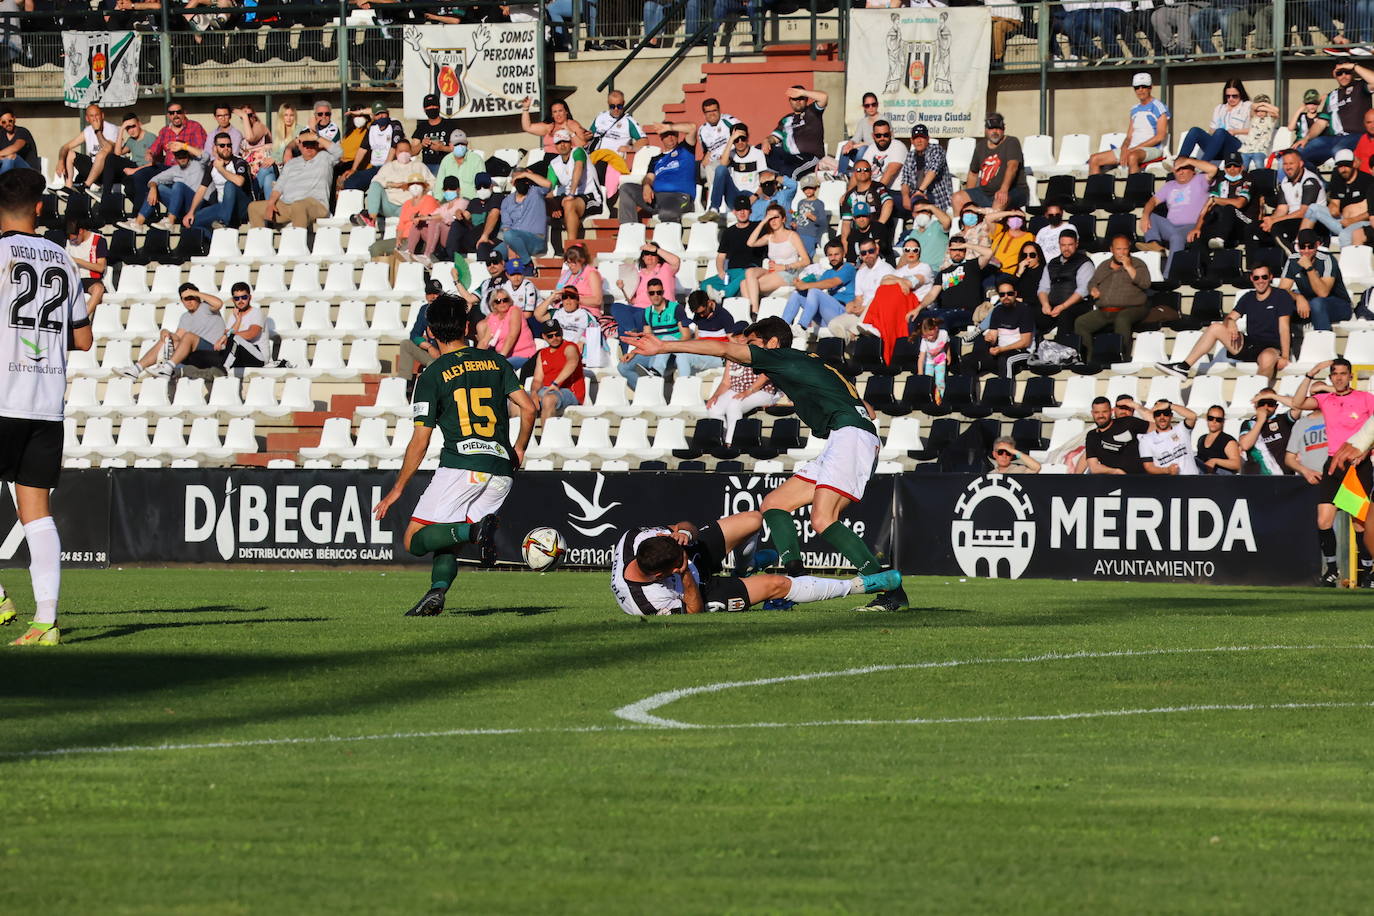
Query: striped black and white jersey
[
  {"x": 41, "y": 303},
  {"x": 655, "y": 598}
]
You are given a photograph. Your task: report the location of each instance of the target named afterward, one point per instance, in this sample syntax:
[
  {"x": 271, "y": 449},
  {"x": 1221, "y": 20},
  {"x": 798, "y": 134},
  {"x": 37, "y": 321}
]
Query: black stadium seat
[
  {"x": 942, "y": 432},
  {"x": 688, "y": 465},
  {"x": 748, "y": 436},
  {"x": 866, "y": 355},
  {"x": 1029, "y": 435},
  {"x": 1264, "y": 185},
  {"x": 1038, "y": 394},
  {"x": 707, "y": 436},
  {"x": 785, "y": 434},
  {"x": 905, "y": 355},
  {"x": 878, "y": 394},
  {"x": 1140, "y": 187},
  {"x": 1086, "y": 224},
  {"x": 919, "y": 394},
  {"x": 998, "y": 394},
  {"x": 1059, "y": 191},
  {"x": 1122, "y": 224},
  {"x": 653, "y": 466},
  {"x": 1223, "y": 268},
  {"x": 831, "y": 351},
  {"x": 1098, "y": 194}
]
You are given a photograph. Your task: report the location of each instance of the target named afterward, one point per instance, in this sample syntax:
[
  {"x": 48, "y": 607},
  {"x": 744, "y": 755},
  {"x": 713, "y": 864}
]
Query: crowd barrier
[{"x": 1229, "y": 530}]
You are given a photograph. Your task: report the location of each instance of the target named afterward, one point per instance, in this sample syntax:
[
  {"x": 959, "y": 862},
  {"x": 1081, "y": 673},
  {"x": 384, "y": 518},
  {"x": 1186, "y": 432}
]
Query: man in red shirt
[
  {"x": 1365, "y": 148},
  {"x": 180, "y": 133},
  {"x": 558, "y": 381}
]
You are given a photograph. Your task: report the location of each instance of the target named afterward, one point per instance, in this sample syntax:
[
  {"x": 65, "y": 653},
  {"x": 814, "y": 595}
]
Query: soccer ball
[{"x": 543, "y": 548}]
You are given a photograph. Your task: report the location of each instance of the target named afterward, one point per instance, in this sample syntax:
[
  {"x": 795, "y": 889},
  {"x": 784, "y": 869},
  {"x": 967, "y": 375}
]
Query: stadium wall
[{"x": 1233, "y": 530}]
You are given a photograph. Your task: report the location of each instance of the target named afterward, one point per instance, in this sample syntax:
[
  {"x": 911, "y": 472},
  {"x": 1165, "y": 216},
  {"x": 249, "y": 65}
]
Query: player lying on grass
[
  {"x": 675, "y": 570},
  {"x": 42, "y": 316},
  {"x": 829, "y": 405},
  {"x": 468, "y": 394}
]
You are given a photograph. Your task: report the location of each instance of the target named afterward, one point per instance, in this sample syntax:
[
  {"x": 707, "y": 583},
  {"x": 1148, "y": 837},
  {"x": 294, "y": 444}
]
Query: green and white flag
[{"x": 100, "y": 67}]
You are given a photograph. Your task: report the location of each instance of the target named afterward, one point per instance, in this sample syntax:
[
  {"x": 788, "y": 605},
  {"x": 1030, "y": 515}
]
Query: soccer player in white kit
[
  {"x": 675, "y": 570},
  {"x": 42, "y": 316}
]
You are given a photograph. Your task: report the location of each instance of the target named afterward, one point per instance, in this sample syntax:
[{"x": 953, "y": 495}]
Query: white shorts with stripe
[
  {"x": 460, "y": 495},
  {"x": 845, "y": 464}
]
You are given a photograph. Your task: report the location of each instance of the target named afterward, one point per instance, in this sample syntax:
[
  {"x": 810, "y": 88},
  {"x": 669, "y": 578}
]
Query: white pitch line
[
  {"x": 641, "y": 712},
  {"x": 652, "y": 723}
]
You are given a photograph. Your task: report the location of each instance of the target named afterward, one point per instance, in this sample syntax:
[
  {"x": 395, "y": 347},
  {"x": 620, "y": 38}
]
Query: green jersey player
[
  {"x": 829, "y": 405},
  {"x": 464, "y": 392}
]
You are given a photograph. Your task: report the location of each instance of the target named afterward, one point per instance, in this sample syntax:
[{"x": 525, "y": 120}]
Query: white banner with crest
[
  {"x": 100, "y": 67},
  {"x": 478, "y": 71},
  {"x": 927, "y": 65}
]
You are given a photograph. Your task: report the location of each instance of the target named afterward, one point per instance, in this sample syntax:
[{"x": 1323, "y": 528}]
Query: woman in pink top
[
  {"x": 654, "y": 264},
  {"x": 433, "y": 226},
  {"x": 505, "y": 330},
  {"x": 579, "y": 272}
]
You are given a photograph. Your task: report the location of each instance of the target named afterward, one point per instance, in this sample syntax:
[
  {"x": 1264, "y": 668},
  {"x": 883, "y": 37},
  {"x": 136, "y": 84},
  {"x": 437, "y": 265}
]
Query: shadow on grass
[
  {"x": 203, "y": 609},
  {"x": 525, "y": 611},
  {"x": 135, "y": 628},
  {"x": 375, "y": 680}
]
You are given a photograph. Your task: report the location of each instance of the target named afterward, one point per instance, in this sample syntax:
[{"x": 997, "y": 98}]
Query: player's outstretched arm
[
  {"x": 650, "y": 345},
  {"x": 415, "y": 453},
  {"x": 524, "y": 406}
]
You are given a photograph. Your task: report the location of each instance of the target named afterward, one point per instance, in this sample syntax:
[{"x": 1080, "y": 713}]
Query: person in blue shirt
[
  {"x": 820, "y": 299},
  {"x": 772, "y": 190},
  {"x": 670, "y": 186},
  {"x": 524, "y": 217}
]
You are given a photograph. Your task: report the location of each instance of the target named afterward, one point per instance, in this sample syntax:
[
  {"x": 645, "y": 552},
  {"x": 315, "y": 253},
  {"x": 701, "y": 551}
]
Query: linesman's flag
[{"x": 1351, "y": 497}]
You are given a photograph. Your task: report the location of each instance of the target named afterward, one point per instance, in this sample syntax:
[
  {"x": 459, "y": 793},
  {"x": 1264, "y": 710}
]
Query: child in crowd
[
  {"x": 934, "y": 355},
  {"x": 810, "y": 218}
]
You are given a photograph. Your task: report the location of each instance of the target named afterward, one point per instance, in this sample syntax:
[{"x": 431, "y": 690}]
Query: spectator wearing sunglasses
[
  {"x": 1314, "y": 279},
  {"x": 1217, "y": 450},
  {"x": 563, "y": 307},
  {"x": 222, "y": 198},
  {"x": 1230, "y": 122},
  {"x": 1112, "y": 446},
  {"x": 1004, "y": 347},
  {"x": 1168, "y": 449},
  {"x": 797, "y": 145},
  {"x": 1267, "y": 338},
  {"x": 1264, "y": 437},
  {"x": 862, "y": 135},
  {"x": 558, "y": 378},
  {"x": 1008, "y": 459},
  {"x": 885, "y": 154},
  {"x": 615, "y": 136}
]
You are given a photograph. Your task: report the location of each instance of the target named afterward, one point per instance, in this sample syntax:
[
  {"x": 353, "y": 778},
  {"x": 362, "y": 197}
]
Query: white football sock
[
  {"x": 45, "y": 567},
  {"x": 814, "y": 588}
]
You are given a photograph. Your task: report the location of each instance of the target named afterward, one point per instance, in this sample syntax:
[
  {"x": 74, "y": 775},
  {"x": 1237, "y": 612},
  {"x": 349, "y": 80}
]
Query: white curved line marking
[
  {"x": 641, "y": 712},
  {"x": 653, "y": 723}
]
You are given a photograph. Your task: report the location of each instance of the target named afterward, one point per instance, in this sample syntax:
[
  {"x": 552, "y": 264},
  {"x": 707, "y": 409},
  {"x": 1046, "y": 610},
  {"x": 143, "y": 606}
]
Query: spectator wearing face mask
[
  {"x": 930, "y": 226},
  {"x": 462, "y": 162},
  {"x": 1047, "y": 236},
  {"x": 377, "y": 147},
  {"x": 434, "y": 136},
  {"x": 1008, "y": 238},
  {"x": 390, "y": 187},
  {"x": 430, "y": 220}
]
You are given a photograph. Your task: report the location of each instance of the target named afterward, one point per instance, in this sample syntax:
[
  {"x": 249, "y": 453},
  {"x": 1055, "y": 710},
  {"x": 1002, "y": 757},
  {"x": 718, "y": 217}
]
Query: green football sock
[
  {"x": 444, "y": 570},
  {"x": 783, "y": 534},
  {"x": 853, "y": 548},
  {"x": 460, "y": 264},
  {"x": 432, "y": 538}
]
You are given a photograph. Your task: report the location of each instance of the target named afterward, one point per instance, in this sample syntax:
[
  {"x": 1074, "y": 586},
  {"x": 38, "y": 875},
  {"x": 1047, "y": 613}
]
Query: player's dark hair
[
  {"x": 773, "y": 328},
  {"x": 448, "y": 317},
  {"x": 1097, "y": 401},
  {"x": 20, "y": 191},
  {"x": 658, "y": 555},
  {"x": 1338, "y": 361}
]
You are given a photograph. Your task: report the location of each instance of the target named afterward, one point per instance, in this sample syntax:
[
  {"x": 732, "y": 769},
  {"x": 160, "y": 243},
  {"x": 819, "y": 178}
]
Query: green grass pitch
[{"x": 287, "y": 742}]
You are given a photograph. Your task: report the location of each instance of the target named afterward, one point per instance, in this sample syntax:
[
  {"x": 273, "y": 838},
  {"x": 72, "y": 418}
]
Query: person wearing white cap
[
  {"x": 1347, "y": 201},
  {"x": 1147, "y": 132}
]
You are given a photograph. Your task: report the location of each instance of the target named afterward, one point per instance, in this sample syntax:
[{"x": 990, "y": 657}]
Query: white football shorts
[
  {"x": 459, "y": 495},
  {"x": 845, "y": 464}
]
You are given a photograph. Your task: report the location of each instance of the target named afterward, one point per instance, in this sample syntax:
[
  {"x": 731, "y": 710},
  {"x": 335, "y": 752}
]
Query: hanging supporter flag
[
  {"x": 1351, "y": 497},
  {"x": 101, "y": 67},
  {"x": 927, "y": 65},
  {"x": 476, "y": 70}
]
